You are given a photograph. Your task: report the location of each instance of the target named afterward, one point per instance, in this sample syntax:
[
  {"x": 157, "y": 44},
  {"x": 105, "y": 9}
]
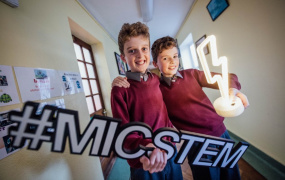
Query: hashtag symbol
[{"x": 27, "y": 119}]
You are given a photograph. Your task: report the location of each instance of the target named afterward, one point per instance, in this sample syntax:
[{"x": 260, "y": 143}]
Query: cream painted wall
[
  {"x": 250, "y": 34},
  {"x": 38, "y": 34}
]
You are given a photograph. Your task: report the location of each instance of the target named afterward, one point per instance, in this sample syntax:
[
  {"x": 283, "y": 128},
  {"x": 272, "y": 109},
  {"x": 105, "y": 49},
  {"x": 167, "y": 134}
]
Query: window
[
  {"x": 188, "y": 53},
  {"x": 89, "y": 76}
]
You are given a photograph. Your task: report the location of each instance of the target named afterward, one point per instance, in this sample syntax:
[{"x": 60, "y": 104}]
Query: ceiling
[{"x": 168, "y": 15}]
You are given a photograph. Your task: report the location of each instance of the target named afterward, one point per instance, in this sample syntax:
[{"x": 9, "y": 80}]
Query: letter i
[{"x": 109, "y": 138}]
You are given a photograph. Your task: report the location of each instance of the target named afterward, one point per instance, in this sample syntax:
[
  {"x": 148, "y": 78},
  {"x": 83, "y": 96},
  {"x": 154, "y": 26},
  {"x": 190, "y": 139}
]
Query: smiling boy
[
  {"x": 142, "y": 102},
  {"x": 195, "y": 113}
]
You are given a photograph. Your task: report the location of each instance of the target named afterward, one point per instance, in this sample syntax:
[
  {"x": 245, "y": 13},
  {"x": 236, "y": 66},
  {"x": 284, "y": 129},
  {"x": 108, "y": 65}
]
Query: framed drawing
[
  {"x": 197, "y": 43},
  {"x": 217, "y": 7},
  {"x": 120, "y": 64}
]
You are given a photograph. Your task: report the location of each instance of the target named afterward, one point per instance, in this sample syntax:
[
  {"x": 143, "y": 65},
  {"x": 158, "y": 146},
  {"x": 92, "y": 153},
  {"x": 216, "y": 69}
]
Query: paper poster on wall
[
  {"x": 71, "y": 82},
  {"x": 38, "y": 84},
  {"x": 6, "y": 147},
  {"x": 59, "y": 103},
  {"x": 8, "y": 90}
]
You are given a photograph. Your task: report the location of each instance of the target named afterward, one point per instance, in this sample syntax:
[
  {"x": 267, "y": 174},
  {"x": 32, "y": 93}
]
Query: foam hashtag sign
[
  {"x": 31, "y": 126},
  {"x": 106, "y": 135}
]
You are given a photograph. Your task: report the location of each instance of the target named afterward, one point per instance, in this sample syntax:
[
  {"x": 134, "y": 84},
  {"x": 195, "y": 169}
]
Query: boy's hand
[
  {"x": 156, "y": 162},
  {"x": 234, "y": 92},
  {"x": 121, "y": 82}
]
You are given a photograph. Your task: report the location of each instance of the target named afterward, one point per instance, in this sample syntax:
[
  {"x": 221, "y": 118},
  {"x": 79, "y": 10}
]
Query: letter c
[{"x": 132, "y": 127}]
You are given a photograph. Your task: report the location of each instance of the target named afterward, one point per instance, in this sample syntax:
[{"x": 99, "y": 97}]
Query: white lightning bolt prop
[{"x": 223, "y": 106}]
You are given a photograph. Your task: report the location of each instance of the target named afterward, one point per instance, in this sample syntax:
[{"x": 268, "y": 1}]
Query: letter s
[{"x": 164, "y": 144}]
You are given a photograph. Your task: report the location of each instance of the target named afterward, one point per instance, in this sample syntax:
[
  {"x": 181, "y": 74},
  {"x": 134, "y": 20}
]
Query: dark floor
[{"x": 247, "y": 172}]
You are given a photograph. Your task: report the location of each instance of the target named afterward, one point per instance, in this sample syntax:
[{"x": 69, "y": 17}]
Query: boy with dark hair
[
  {"x": 188, "y": 106},
  {"x": 142, "y": 102}
]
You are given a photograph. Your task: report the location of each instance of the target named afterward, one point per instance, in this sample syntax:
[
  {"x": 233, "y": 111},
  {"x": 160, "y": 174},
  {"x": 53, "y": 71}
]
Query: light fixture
[
  {"x": 224, "y": 106},
  {"x": 146, "y": 9}
]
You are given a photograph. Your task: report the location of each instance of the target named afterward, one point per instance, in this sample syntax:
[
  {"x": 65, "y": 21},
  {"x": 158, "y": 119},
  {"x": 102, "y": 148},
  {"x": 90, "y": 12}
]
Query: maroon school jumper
[
  {"x": 141, "y": 102},
  {"x": 188, "y": 106}
]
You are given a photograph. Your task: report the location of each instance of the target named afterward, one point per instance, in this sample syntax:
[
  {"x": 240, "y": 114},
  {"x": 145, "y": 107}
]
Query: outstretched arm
[{"x": 121, "y": 82}]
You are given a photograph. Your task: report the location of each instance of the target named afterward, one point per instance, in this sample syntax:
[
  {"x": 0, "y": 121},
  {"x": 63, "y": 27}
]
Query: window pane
[
  {"x": 90, "y": 71},
  {"x": 87, "y": 55},
  {"x": 86, "y": 87},
  {"x": 90, "y": 105},
  {"x": 97, "y": 102},
  {"x": 78, "y": 51},
  {"x": 82, "y": 69},
  {"x": 94, "y": 87}
]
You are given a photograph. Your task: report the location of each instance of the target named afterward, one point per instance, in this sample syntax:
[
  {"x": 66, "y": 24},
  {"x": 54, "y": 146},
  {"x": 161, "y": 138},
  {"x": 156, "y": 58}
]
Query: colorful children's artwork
[
  {"x": 3, "y": 81},
  {"x": 6, "y": 140},
  {"x": 38, "y": 84},
  {"x": 40, "y": 74},
  {"x": 8, "y": 90},
  {"x": 59, "y": 103},
  {"x": 71, "y": 82},
  {"x": 121, "y": 65}
]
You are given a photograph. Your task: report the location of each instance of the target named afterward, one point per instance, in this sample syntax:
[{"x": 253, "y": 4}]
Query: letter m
[
  {"x": 228, "y": 154},
  {"x": 68, "y": 125}
]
